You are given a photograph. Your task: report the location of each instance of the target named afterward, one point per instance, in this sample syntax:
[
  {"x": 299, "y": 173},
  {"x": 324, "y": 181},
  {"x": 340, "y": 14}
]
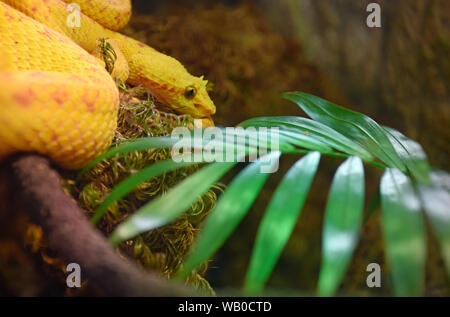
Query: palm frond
[
  {"x": 407, "y": 187},
  {"x": 230, "y": 210},
  {"x": 354, "y": 125},
  {"x": 314, "y": 130},
  {"x": 167, "y": 208},
  {"x": 279, "y": 221}
]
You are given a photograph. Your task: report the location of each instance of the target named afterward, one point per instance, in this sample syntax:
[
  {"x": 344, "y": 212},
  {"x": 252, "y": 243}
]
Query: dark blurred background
[{"x": 252, "y": 51}]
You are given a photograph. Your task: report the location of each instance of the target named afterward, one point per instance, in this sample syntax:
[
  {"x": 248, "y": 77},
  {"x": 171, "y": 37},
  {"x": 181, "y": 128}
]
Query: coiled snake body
[{"x": 57, "y": 99}]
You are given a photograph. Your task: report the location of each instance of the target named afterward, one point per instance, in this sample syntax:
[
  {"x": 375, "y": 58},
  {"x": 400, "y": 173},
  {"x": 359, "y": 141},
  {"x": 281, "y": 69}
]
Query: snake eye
[{"x": 190, "y": 92}]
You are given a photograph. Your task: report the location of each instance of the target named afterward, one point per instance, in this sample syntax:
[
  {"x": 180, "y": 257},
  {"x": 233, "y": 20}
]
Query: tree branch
[{"x": 36, "y": 188}]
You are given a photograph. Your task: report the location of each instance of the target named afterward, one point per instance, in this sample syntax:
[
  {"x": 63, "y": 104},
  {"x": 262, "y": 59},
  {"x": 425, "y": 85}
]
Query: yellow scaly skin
[{"x": 57, "y": 99}]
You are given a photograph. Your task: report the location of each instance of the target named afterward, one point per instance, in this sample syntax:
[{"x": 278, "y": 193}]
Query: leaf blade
[
  {"x": 356, "y": 126},
  {"x": 166, "y": 208},
  {"x": 404, "y": 233},
  {"x": 411, "y": 153},
  {"x": 130, "y": 146},
  {"x": 230, "y": 209},
  {"x": 127, "y": 185},
  {"x": 314, "y": 130},
  {"x": 436, "y": 202},
  {"x": 279, "y": 221},
  {"x": 342, "y": 224}
]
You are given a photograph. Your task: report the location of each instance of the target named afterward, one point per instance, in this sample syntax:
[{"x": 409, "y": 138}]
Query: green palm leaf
[
  {"x": 342, "y": 224},
  {"x": 436, "y": 201},
  {"x": 168, "y": 207},
  {"x": 279, "y": 220},
  {"x": 305, "y": 142},
  {"x": 127, "y": 186},
  {"x": 354, "y": 125},
  {"x": 333, "y": 131},
  {"x": 230, "y": 210},
  {"x": 411, "y": 153},
  {"x": 301, "y": 138},
  {"x": 194, "y": 142},
  {"x": 404, "y": 233},
  {"x": 313, "y": 130},
  {"x": 131, "y": 146}
]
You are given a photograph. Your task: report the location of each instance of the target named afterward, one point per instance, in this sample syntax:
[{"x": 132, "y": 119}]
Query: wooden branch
[{"x": 36, "y": 188}]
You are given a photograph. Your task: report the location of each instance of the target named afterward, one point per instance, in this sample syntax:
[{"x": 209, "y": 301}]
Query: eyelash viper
[{"x": 57, "y": 99}]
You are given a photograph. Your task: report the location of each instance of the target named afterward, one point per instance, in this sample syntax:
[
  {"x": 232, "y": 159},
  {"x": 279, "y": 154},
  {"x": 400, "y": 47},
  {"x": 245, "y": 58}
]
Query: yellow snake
[{"x": 56, "y": 98}]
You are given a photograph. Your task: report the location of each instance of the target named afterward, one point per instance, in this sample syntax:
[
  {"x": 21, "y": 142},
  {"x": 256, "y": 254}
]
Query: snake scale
[{"x": 57, "y": 98}]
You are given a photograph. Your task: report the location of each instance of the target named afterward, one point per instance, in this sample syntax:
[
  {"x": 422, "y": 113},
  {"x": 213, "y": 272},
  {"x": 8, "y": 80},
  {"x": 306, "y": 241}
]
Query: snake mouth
[
  {"x": 201, "y": 123},
  {"x": 204, "y": 110}
]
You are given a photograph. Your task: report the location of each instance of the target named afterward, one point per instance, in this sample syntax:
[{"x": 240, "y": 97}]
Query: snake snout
[{"x": 205, "y": 110}]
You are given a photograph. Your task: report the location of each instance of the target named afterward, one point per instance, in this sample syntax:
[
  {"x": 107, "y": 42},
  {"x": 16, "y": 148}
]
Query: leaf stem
[{"x": 342, "y": 155}]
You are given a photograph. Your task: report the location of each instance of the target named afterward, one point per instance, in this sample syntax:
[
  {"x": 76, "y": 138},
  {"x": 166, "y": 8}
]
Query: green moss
[{"x": 163, "y": 249}]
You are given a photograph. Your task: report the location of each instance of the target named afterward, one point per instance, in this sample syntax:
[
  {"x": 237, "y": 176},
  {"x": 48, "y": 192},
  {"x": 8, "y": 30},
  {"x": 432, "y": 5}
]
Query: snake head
[
  {"x": 171, "y": 83},
  {"x": 185, "y": 94},
  {"x": 195, "y": 99}
]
